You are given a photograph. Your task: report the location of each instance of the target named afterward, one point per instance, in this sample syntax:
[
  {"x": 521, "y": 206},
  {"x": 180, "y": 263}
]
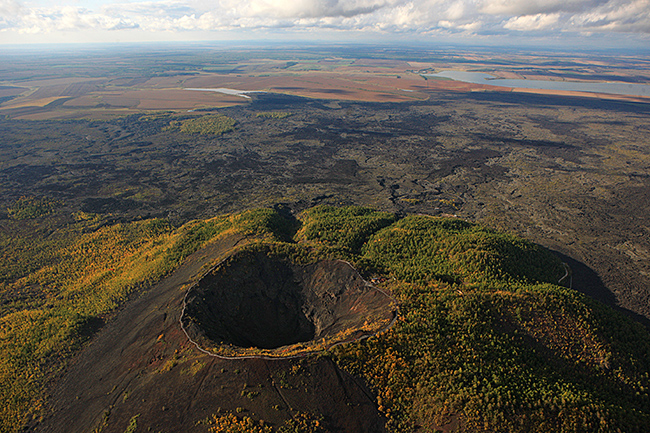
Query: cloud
[
  {"x": 387, "y": 16},
  {"x": 9, "y": 12},
  {"x": 299, "y": 9},
  {"x": 633, "y": 17},
  {"x": 164, "y": 9},
  {"x": 533, "y": 7},
  {"x": 9, "y": 7},
  {"x": 70, "y": 18},
  {"x": 532, "y": 22}
]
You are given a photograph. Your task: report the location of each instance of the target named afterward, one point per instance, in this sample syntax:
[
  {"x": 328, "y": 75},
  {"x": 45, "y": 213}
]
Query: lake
[{"x": 608, "y": 87}]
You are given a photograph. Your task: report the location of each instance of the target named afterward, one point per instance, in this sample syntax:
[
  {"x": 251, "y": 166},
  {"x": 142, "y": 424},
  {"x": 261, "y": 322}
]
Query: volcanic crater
[{"x": 259, "y": 303}]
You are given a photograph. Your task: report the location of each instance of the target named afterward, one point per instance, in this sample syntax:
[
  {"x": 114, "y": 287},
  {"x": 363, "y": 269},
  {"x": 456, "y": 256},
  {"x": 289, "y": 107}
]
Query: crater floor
[{"x": 259, "y": 303}]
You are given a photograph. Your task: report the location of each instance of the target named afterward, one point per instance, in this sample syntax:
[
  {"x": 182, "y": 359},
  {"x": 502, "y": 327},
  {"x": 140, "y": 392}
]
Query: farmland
[{"x": 79, "y": 91}]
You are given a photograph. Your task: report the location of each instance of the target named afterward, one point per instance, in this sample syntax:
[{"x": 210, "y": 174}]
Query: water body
[
  {"x": 608, "y": 87},
  {"x": 242, "y": 93}
]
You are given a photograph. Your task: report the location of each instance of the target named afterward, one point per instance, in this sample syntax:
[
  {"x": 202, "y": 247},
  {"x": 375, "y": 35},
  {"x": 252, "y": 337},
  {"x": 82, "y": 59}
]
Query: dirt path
[
  {"x": 104, "y": 370},
  {"x": 567, "y": 273}
]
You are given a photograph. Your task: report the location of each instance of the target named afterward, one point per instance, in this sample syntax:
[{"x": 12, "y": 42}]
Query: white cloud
[
  {"x": 533, "y": 7},
  {"x": 633, "y": 16},
  {"x": 9, "y": 11},
  {"x": 532, "y": 22},
  {"x": 306, "y": 8},
  {"x": 168, "y": 9},
  {"x": 416, "y": 16},
  {"x": 456, "y": 11},
  {"x": 70, "y": 18},
  {"x": 9, "y": 7}
]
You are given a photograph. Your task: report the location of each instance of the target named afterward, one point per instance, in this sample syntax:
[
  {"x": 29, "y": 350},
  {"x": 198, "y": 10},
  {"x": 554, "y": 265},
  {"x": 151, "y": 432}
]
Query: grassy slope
[
  {"x": 484, "y": 338},
  {"x": 204, "y": 125}
]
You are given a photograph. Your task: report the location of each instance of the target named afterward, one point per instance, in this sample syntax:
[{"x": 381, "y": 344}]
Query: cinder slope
[{"x": 141, "y": 369}]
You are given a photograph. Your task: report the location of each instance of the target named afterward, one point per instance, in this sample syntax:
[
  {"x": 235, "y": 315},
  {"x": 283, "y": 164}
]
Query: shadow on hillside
[
  {"x": 288, "y": 230},
  {"x": 586, "y": 280},
  {"x": 530, "y": 99}
]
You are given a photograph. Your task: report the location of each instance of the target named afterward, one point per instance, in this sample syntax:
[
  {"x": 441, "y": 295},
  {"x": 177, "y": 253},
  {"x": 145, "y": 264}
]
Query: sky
[{"x": 597, "y": 23}]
